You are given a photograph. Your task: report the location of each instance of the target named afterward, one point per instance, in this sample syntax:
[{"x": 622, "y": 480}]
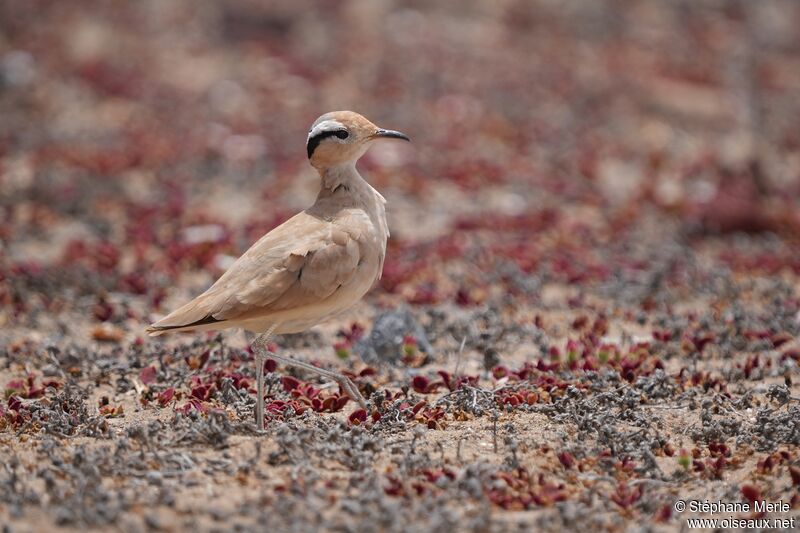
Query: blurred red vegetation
[{"x": 622, "y": 156}]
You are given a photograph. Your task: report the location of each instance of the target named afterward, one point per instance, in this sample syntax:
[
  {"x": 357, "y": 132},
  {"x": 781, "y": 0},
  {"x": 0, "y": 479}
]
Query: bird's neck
[
  {"x": 343, "y": 187},
  {"x": 345, "y": 183},
  {"x": 342, "y": 175}
]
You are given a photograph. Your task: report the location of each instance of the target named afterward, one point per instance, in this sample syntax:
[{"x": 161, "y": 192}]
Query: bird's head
[{"x": 340, "y": 137}]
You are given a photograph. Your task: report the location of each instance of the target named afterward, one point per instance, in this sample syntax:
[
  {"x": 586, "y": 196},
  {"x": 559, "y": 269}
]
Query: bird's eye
[{"x": 342, "y": 134}]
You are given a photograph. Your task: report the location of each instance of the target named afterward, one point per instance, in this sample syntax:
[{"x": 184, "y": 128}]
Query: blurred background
[
  {"x": 609, "y": 145},
  {"x": 596, "y": 228}
]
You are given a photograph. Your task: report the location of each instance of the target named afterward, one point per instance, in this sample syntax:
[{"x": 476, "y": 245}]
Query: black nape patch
[{"x": 314, "y": 141}]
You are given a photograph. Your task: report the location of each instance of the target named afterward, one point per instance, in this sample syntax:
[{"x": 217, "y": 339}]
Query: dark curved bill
[{"x": 391, "y": 134}]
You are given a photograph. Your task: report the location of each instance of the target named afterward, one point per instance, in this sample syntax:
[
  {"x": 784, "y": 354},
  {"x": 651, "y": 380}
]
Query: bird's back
[{"x": 311, "y": 267}]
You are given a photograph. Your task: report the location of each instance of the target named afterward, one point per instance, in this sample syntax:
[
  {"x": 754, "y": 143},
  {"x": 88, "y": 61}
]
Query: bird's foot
[
  {"x": 350, "y": 389},
  {"x": 344, "y": 382}
]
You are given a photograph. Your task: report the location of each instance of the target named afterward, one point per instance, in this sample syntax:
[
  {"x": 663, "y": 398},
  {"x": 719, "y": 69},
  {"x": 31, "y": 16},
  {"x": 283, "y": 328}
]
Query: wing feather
[{"x": 302, "y": 261}]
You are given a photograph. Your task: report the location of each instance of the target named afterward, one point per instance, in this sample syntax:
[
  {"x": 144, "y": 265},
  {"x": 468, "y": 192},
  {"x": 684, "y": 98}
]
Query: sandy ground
[{"x": 590, "y": 306}]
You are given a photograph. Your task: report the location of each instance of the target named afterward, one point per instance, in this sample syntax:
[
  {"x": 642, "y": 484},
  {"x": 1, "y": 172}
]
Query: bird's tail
[{"x": 163, "y": 325}]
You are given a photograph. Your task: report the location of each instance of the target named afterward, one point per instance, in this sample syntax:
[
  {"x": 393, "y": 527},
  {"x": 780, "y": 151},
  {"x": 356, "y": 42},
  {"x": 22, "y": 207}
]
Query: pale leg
[{"x": 261, "y": 353}]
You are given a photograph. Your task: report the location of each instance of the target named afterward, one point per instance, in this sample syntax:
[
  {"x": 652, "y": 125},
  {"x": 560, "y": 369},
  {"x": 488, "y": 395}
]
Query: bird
[{"x": 310, "y": 268}]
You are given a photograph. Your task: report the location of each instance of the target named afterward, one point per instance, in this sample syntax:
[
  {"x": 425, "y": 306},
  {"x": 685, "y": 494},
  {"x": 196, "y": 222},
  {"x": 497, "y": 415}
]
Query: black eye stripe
[{"x": 314, "y": 141}]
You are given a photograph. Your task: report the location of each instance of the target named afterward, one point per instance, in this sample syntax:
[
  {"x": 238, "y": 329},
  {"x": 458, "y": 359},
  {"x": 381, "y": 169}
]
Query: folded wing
[{"x": 302, "y": 261}]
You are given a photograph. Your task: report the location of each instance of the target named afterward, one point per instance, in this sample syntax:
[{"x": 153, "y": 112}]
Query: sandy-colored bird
[{"x": 313, "y": 266}]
